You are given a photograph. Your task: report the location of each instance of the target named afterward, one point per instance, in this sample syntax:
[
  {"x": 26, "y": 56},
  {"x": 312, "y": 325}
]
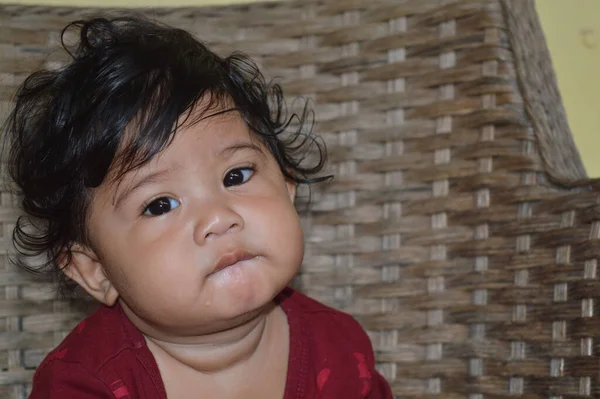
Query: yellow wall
[{"x": 572, "y": 29}]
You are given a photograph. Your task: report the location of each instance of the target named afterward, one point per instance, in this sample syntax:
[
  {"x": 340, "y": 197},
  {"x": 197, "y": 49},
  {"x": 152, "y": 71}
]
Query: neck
[{"x": 218, "y": 351}]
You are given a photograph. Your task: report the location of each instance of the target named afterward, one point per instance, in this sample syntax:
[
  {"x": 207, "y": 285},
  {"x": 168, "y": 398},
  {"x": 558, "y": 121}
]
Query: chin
[
  {"x": 252, "y": 301},
  {"x": 251, "y": 284}
]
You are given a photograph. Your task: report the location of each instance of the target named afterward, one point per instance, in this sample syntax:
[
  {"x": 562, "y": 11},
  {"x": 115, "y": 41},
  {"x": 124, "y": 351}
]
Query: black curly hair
[{"x": 66, "y": 131}]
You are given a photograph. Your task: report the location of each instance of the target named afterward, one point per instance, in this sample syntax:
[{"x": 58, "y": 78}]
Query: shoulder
[
  {"x": 341, "y": 358},
  {"x": 104, "y": 353},
  {"x": 57, "y": 378},
  {"x": 93, "y": 340},
  {"x": 327, "y": 324},
  {"x": 70, "y": 369}
]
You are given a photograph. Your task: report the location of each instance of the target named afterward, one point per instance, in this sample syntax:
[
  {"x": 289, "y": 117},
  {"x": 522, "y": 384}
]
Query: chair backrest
[{"x": 454, "y": 230}]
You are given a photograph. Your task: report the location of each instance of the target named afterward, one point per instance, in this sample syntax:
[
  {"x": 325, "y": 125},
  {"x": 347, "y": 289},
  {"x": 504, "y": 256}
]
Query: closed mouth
[{"x": 230, "y": 259}]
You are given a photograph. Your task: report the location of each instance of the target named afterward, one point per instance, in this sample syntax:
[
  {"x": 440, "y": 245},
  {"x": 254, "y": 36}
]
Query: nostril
[{"x": 209, "y": 236}]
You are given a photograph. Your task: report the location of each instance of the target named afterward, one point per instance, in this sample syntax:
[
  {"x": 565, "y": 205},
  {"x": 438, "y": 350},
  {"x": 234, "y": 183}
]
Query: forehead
[
  {"x": 212, "y": 126},
  {"x": 201, "y": 139},
  {"x": 208, "y": 139}
]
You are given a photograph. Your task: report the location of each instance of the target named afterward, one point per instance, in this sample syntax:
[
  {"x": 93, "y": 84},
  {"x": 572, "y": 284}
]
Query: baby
[{"x": 156, "y": 176}]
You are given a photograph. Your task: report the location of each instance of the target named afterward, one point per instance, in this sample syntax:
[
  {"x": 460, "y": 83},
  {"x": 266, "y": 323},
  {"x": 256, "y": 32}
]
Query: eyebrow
[
  {"x": 151, "y": 178},
  {"x": 232, "y": 149}
]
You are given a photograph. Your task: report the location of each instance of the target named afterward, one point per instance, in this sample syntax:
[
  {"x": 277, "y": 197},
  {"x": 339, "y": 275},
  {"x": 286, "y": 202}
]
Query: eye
[
  {"x": 238, "y": 176},
  {"x": 160, "y": 206}
]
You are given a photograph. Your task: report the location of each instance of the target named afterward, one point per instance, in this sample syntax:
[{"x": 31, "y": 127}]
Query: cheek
[
  {"x": 145, "y": 258},
  {"x": 279, "y": 226}
]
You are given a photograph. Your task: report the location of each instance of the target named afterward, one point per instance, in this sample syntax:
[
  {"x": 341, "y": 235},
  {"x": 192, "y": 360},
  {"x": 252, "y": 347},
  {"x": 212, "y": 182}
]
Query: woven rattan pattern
[{"x": 448, "y": 231}]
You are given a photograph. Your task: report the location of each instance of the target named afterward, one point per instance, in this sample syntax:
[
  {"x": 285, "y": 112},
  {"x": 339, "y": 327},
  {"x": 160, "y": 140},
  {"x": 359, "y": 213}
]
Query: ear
[
  {"x": 87, "y": 271},
  {"x": 291, "y": 189}
]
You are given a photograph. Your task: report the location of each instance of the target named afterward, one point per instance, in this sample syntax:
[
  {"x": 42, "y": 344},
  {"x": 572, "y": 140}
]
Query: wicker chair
[{"x": 460, "y": 230}]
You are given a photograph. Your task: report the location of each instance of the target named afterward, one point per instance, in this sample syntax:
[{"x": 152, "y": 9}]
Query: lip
[{"x": 230, "y": 259}]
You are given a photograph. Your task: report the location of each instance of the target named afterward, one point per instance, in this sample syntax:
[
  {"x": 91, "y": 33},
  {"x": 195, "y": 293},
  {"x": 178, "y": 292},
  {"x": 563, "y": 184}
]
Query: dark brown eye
[
  {"x": 238, "y": 176},
  {"x": 160, "y": 206}
]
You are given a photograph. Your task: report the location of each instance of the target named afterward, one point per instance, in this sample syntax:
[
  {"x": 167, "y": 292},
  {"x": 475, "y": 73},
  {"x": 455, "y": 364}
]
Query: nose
[{"x": 217, "y": 219}]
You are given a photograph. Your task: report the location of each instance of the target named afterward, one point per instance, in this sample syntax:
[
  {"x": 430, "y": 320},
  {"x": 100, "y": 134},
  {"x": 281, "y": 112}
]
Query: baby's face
[{"x": 203, "y": 235}]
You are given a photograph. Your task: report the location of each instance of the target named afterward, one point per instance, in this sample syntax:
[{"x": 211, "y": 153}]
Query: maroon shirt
[{"x": 105, "y": 356}]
